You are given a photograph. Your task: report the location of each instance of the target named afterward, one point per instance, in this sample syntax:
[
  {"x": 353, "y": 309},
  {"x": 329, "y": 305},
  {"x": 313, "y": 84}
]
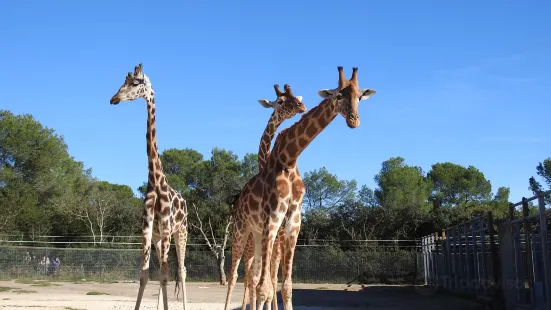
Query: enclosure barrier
[
  {"x": 511, "y": 266},
  {"x": 311, "y": 264}
]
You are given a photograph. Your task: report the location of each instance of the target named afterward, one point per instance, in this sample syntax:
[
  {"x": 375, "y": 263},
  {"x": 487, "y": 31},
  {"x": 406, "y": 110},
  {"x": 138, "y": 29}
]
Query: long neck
[
  {"x": 153, "y": 160},
  {"x": 297, "y": 137},
  {"x": 266, "y": 140}
]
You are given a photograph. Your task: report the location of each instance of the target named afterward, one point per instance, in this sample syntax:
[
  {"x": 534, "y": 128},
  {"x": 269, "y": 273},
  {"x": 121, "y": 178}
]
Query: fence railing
[
  {"x": 511, "y": 264},
  {"x": 311, "y": 264}
]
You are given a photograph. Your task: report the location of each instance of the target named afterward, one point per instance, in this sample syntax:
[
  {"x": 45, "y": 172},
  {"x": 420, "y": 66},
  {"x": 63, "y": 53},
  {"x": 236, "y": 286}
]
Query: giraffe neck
[
  {"x": 296, "y": 138},
  {"x": 153, "y": 159},
  {"x": 266, "y": 140}
]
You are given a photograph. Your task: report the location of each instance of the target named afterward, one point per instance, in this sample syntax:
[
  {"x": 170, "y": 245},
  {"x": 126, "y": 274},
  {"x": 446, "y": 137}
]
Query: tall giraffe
[
  {"x": 285, "y": 106},
  {"x": 165, "y": 211},
  {"x": 279, "y": 189}
]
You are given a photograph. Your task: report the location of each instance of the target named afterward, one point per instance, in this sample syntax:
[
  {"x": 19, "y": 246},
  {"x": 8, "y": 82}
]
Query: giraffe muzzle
[{"x": 114, "y": 100}]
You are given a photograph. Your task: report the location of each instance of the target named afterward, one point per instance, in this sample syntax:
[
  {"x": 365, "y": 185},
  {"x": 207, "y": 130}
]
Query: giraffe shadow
[{"x": 352, "y": 297}]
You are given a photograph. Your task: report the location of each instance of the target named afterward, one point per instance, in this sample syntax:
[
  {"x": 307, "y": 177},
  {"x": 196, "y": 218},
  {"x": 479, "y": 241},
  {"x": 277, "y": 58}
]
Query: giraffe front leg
[
  {"x": 147, "y": 234},
  {"x": 156, "y": 240},
  {"x": 256, "y": 270},
  {"x": 164, "y": 228},
  {"x": 274, "y": 268},
  {"x": 238, "y": 244},
  {"x": 181, "y": 241},
  {"x": 292, "y": 229},
  {"x": 248, "y": 279},
  {"x": 265, "y": 289}
]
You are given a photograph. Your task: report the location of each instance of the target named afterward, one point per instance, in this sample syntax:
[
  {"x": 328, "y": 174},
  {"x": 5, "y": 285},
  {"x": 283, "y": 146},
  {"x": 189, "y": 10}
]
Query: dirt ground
[{"x": 92, "y": 296}]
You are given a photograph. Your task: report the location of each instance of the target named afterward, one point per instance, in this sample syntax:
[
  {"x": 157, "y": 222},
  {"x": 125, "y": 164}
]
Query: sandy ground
[{"x": 74, "y": 296}]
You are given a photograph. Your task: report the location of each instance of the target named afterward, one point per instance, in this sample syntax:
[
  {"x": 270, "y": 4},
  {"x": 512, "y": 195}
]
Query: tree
[
  {"x": 92, "y": 206},
  {"x": 455, "y": 185},
  {"x": 35, "y": 169},
  {"x": 403, "y": 192},
  {"x": 325, "y": 190},
  {"x": 543, "y": 169},
  {"x": 218, "y": 250}
]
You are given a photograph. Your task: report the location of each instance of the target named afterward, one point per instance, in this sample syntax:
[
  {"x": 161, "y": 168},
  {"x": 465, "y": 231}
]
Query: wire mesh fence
[{"x": 311, "y": 264}]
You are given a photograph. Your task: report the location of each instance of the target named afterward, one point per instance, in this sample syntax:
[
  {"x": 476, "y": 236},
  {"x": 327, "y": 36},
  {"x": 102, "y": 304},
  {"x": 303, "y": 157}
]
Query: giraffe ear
[
  {"x": 265, "y": 103},
  {"x": 366, "y": 93},
  {"x": 326, "y": 93},
  {"x": 299, "y": 98}
]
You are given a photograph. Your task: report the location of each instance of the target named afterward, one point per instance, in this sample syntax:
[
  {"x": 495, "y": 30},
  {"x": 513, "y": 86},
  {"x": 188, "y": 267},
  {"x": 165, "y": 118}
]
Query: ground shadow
[{"x": 375, "y": 297}]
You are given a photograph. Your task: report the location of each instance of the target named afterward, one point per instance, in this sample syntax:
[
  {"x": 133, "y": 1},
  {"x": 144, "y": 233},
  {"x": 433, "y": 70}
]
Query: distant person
[{"x": 56, "y": 262}]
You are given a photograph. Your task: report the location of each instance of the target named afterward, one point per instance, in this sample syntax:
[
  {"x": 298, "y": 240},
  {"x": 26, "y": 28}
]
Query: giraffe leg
[
  {"x": 181, "y": 240},
  {"x": 157, "y": 243},
  {"x": 274, "y": 268},
  {"x": 147, "y": 234},
  {"x": 249, "y": 256},
  {"x": 292, "y": 229},
  {"x": 238, "y": 244},
  {"x": 265, "y": 289},
  {"x": 255, "y": 271},
  {"x": 164, "y": 228}
]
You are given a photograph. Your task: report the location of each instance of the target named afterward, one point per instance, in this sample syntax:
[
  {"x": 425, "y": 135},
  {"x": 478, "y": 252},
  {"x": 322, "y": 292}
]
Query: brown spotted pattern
[{"x": 165, "y": 211}]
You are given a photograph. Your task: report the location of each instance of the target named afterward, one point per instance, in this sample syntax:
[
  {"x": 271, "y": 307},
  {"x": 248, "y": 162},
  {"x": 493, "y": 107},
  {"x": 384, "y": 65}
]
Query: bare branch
[
  {"x": 226, "y": 234},
  {"x": 202, "y": 231},
  {"x": 212, "y": 233}
]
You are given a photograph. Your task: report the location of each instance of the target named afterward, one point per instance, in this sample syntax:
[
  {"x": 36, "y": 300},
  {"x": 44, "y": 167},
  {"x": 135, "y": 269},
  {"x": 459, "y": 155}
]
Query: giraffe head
[
  {"x": 135, "y": 85},
  {"x": 347, "y": 96},
  {"x": 286, "y": 104}
]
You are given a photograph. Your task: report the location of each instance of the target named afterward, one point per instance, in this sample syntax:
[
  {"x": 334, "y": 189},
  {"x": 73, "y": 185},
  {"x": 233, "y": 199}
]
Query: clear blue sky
[{"x": 460, "y": 81}]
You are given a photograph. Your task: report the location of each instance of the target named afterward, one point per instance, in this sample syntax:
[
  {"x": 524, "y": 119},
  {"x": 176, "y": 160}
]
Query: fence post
[
  {"x": 436, "y": 258},
  {"x": 545, "y": 250},
  {"x": 528, "y": 260},
  {"x": 447, "y": 260},
  {"x": 509, "y": 283},
  {"x": 461, "y": 270},
  {"x": 425, "y": 262},
  {"x": 483, "y": 265},
  {"x": 493, "y": 251},
  {"x": 468, "y": 256}
]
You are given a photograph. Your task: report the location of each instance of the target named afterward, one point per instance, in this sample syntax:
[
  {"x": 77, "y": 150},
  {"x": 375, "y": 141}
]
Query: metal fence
[
  {"x": 311, "y": 264},
  {"x": 503, "y": 259}
]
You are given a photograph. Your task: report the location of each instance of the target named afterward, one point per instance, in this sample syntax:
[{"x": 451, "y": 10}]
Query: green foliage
[
  {"x": 457, "y": 185},
  {"x": 543, "y": 169}
]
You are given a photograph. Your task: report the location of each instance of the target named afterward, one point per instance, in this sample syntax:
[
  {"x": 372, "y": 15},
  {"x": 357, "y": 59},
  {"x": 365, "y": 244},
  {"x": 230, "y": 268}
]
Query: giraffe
[
  {"x": 285, "y": 106},
  {"x": 279, "y": 189},
  {"x": 286, "y": 110},
  {"x": 165, "y": 211}
]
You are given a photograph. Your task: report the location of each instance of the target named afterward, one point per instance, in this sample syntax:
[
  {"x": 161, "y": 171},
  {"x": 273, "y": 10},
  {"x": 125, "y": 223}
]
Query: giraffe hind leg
[{"x": 147, "y": 235}]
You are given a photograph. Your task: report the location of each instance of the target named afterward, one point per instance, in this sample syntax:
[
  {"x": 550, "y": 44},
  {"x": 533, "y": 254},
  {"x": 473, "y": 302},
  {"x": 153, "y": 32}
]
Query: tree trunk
[{"x": 221, "y": 269}]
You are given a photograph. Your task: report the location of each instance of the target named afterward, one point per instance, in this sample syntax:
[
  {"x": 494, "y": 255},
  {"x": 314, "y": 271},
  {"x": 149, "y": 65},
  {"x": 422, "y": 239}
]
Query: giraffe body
[
  {"x": 278, "y": 190},
  {"x": 165, "y": 211},
  {"x": 285, "y": 106}
]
